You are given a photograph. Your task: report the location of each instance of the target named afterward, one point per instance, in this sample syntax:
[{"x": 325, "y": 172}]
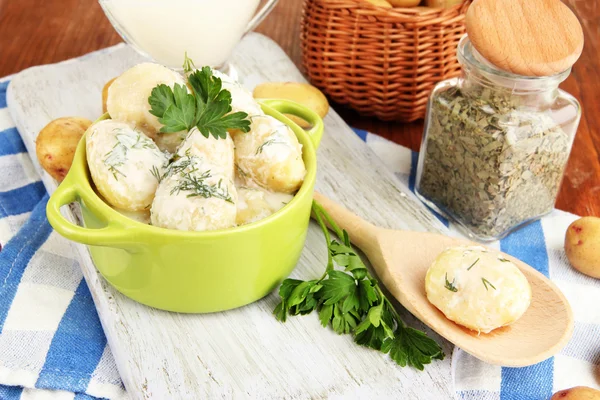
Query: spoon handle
[{"x": 363, "y": 233}]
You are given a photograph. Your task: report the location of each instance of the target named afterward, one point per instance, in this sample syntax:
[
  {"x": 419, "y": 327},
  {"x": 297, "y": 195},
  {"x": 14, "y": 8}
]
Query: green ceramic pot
[{"x": 192, "y": 272}]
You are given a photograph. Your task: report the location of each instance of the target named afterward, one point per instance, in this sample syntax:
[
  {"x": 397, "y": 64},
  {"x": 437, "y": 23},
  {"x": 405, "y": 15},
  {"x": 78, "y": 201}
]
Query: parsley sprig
[
  {"x": 352, "y": 302},
  {"x": 207, "y": 108}
]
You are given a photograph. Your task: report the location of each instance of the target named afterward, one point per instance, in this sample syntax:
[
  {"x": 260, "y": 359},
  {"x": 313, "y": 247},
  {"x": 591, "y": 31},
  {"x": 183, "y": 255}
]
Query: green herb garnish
[
  {"x": 502, "y": 259},
  {"x": 188, "y": 64},
  {"x": 156, "y": 173},
  {"x": 351, "y": 301},
  {"x": 450, "y": 285},
  {"x": 117, "y": 156},
  {"x": 472, "y": 265},
  {"x": 265, "y": 144},
  {"x": 241, "y": 171},
  {"x": 487, "y": 283},
  {"x": 207, "y": 108},
  {"x": 194, "y": 183}
]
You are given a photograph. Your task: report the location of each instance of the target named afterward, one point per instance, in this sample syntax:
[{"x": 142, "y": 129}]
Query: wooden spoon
[{"x": 401, "y": 260}]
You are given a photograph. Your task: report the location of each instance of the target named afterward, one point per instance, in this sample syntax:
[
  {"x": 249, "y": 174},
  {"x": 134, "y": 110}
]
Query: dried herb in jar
[{"x": 490, "y": 162}]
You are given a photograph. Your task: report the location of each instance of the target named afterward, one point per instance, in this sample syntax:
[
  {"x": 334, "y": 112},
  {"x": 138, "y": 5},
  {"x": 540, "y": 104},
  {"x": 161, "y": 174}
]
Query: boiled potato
[
  {"x": 139, "y": 216},
  {"x": 170, "y": 142},
  {"x": 270, "y": 155},
  {"x": 125, "y": 164},
  {"x": 255, "y": 204},
  {"x": 217, "y": 152},
  {"x": 582, "y": 245},
  {"x": 404, "y": 3},
  {"x": 128, "y": 95},
  {"x": 193, "y": 197},
  {"x": 241, "y": 98},
  {"x": 577, "y": 393},
  {"x": 56, "y": 144},
  {"x": 380, "y": 3},
  {"x": 251, "y": 206},
  {"x": 477, "y": 288},
  {"x": 105, "y": 93},
  {"x": 301, "y": 93}
]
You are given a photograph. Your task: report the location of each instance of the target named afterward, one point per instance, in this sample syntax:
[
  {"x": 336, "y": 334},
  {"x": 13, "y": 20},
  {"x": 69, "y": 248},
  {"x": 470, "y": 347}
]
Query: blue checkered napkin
[
  {"x": 51, "y": 341},
  {"x": 539, "y": 244}
]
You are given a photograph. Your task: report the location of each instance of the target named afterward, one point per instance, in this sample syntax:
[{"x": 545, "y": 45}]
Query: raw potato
[
  {"x": 404, "y": 3},
  {"x": 56, "y": 144},
  {"x": 582, "y": 245},
  {"x": 302, "y": 93},
  {"x": 577, "y": 393},
  {"x": 105, "y": 93},
  {"x": 442, "y": 3},
  {"x": 380, "y": 3}
]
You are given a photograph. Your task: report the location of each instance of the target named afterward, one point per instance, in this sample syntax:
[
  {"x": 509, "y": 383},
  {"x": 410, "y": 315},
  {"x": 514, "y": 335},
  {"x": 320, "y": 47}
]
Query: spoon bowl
[{"x": 401, "y": 260}]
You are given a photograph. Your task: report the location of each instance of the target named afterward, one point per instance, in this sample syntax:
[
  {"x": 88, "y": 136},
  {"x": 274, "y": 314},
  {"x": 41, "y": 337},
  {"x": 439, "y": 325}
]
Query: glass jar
[{"x": 495, "y": 146}]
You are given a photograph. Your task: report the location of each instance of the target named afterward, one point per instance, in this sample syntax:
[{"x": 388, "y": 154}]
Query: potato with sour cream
[
  {"x": 241, "y": 98},
  {"x": 215, "y": 151},
  {"x": 255, "y": 204},
  {"x": 193, "y": 195},
  {"x": 127, "y": 101},
  {"x": 270, "y": 155},
  {"x": 124, "y": 164},
  {"x": 477, "y": 288}
]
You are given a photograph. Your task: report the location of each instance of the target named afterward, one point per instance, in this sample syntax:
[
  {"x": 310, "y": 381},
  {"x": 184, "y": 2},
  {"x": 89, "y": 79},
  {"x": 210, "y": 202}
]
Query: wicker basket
[{"x": 381, "y": 62}]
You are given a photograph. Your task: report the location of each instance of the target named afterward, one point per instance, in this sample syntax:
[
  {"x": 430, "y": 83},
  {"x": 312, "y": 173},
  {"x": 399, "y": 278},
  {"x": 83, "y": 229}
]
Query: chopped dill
[
  {"x": 450, "y": 285},
  {"x": 487, "y": 283},
  {"x": 196, "y": 185},
  {"x": 194, "y": 182},
  {"x": 117, "y": 156},
  {"x": 156, "y": 173},
  {"x": 267, "y": 143},
  {"x": 472, "y": 265}
]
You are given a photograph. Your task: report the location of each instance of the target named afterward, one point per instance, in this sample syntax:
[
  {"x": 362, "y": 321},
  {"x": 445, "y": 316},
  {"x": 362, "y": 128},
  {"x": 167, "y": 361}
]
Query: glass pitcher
[{"x": 165, "y": 30}]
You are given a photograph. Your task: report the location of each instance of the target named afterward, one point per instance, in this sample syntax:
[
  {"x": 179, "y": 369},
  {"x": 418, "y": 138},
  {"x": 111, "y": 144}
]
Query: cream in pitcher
[{"x": 164, "y": 30}]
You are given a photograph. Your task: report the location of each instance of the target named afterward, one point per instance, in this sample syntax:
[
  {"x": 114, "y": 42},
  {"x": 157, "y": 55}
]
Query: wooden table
[{"x": 36, "y": 32}]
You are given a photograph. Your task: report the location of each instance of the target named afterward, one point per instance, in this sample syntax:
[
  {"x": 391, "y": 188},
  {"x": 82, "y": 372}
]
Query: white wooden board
[{"x": 244, "y": 353}]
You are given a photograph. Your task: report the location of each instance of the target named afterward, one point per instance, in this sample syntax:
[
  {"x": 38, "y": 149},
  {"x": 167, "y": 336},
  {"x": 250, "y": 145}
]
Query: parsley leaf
[
  {"x": 207, "y": 108},
  {"x": 351, "y": 302},
  {"x": 160, "y": 99},
  {"x": 412, "y": 347},
  {"x": 181, "y": 114},
  {"x": 337, "y": 287}
]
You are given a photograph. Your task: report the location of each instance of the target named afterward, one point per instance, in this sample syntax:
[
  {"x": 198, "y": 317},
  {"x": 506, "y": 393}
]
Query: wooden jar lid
[{"x": 525, "y": 37}]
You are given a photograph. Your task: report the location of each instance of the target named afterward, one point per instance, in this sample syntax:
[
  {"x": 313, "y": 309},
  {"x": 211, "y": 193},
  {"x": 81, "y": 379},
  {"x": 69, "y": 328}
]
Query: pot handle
[
  {"x": 113, "y": 234},
  {"x": 291, "y": 107}
]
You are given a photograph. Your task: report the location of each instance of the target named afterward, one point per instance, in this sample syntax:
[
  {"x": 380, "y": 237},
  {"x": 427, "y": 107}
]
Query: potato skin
[
  {"x": 380, "y": 3},
  {"x": 302, "y": 93},
  {"x": 577, "y": 393},
  {"x": 105, "y": 93},
  {"x": 56, "y": 144},
  {"x": 582, "y": 245},
  {"x": 404, "y": 3}
]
